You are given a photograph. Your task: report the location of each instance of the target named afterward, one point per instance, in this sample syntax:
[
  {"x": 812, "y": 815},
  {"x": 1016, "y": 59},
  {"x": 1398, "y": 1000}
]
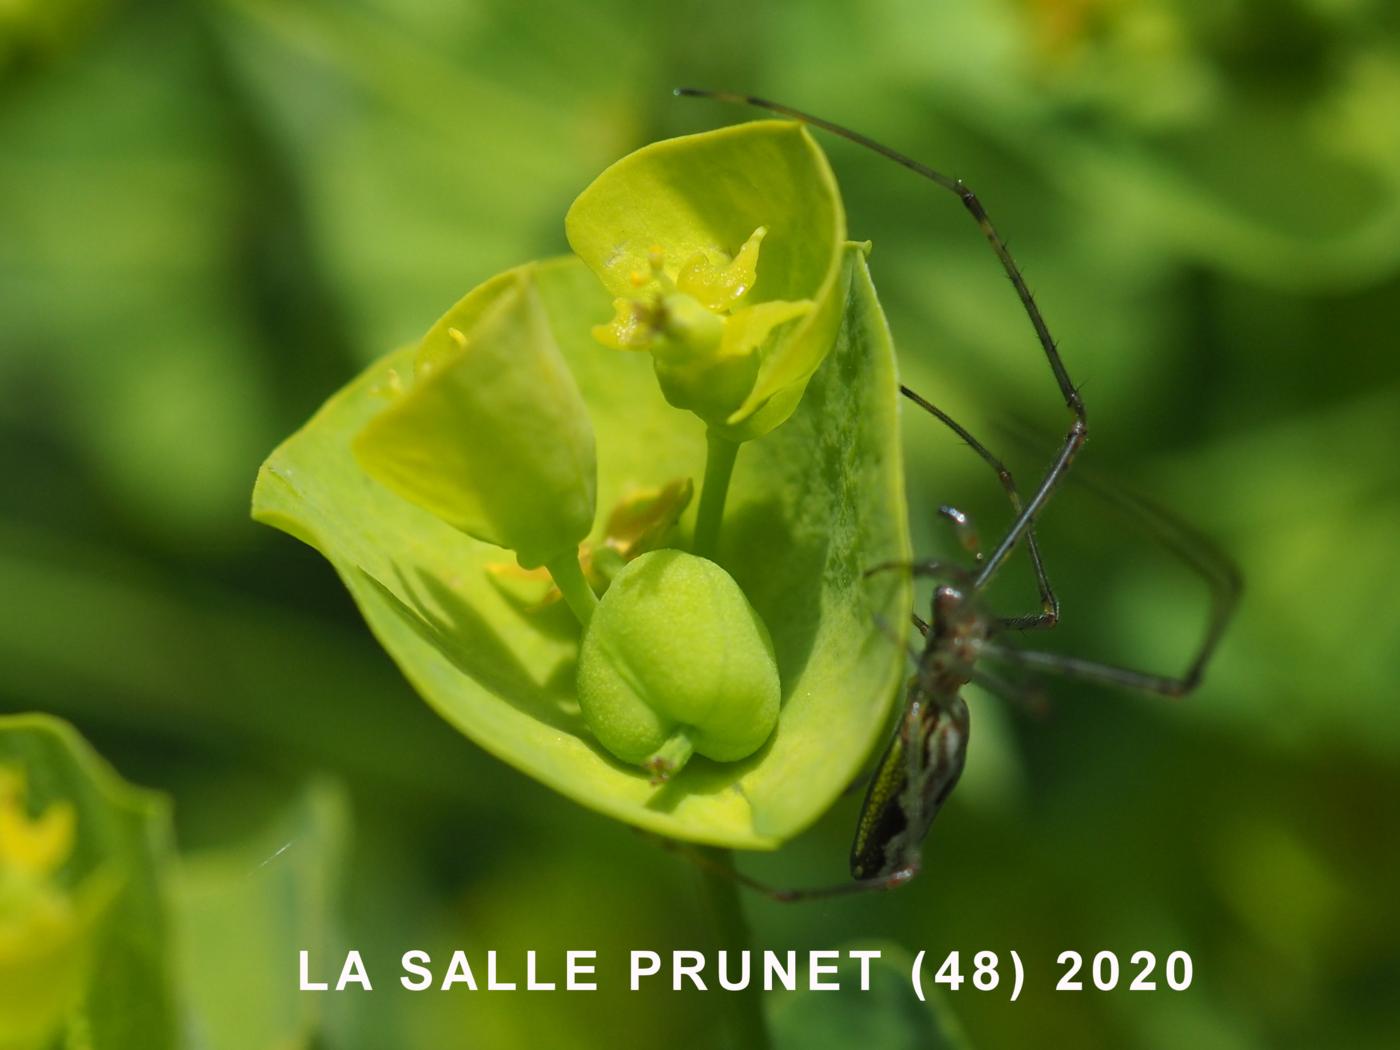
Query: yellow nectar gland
[{"x": 640, "y": 522}]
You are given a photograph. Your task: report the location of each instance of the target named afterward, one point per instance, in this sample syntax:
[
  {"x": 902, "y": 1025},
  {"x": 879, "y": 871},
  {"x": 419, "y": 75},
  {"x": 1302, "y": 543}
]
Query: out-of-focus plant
[
  {"x": 105, "y": 942},
  {"x": 82, "y": 907},
  {"x": 44, "y": 931},
  {"x": 33, "y": 30},
  {"x": 513, "y": 419},
  {"x": 1251, "y": 135}
]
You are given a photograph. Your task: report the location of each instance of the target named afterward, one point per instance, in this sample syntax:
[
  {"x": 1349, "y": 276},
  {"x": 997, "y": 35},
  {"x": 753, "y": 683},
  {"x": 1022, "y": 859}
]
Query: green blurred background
[{"x": 213, "y": 214}]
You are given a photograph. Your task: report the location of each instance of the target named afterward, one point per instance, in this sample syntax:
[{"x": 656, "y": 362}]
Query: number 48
[{"x": 984, "y": 973}]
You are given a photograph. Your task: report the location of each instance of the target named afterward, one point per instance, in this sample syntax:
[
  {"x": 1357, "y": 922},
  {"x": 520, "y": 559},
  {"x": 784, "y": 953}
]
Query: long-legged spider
[{"x": 924, "y": 759}]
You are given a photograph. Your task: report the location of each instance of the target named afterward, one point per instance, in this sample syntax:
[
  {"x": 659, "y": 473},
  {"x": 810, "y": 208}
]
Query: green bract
[
  {"x": 45, "y": 937},
  {"x": 811, "y": 506},
  {"x": 491, "y": 434},
  {"x": 106, "y": 942},
  {"x": 676, "y": 660},
  {"x": 723, "y": 253},
  {"x": 82, "y": 916}
]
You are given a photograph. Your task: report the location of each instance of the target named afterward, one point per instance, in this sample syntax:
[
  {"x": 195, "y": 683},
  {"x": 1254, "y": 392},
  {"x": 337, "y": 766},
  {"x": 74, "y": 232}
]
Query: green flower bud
[{"x": 676, "y": 660}]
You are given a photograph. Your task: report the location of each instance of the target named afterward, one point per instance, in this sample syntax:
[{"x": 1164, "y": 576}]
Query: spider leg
[
  {"x": 1079, "y": 426},
  {"x": 1114, "y": 674},
  {"x": 1028, "y": 698},
  {"x": 1198, "y": 551},
  {"x": 704, "y": 861},
  {"x": 937, "y": 569},
  {"x": 1094, "y": 671},
  {"x": 1194, "y": 548},
  {"x": 931, "y": 567},
  {"x": 914, "y": 650},
  {"x": 1049, "y": 613}
]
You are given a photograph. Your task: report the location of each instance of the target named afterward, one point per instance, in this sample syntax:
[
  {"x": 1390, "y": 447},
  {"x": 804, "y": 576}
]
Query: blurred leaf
[
  {"x": 166, "y": 205},
  {"x": 1301, "y": 510},
  {"x": 824, "y": 489},
  {"x": 120, "y": 312},
  {"x": 1176, "y": 121},
  {"x": 108, "y": 640},
  {"x": 423, "y": 161},
  {"x": 887, "y": 1016},
  {"x": 122, "y": 843},
  {"x": 33, "y": 30},
  {"x": 245, "y": 914}
]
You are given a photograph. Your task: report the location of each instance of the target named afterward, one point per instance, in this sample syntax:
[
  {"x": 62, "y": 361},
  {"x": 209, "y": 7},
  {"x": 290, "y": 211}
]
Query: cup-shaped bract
[
  {"x": 745, "y": 224},
  {"x": 812, "y": 505},
  {"x": 490, "y": 433}
]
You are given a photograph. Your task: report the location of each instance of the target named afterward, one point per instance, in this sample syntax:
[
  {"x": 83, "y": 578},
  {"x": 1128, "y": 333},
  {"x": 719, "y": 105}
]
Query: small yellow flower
[
  {"x": 34, "y": 848},
  {"x": 692, "y": 317},
  {"x": 668, "y": 296},
  {"x": 46, "y": 925},
  {"x": 675, "y": 230}
]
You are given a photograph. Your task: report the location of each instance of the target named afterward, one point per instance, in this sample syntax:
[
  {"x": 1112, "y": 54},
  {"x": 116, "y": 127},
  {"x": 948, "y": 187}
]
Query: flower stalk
[
  {"x": 568, "y": 576},
  {"x": 720, "y": 453}
]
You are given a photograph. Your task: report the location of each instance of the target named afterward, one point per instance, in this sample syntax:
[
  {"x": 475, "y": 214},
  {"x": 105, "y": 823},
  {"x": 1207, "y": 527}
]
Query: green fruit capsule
[{"x": 676, "y": 661}]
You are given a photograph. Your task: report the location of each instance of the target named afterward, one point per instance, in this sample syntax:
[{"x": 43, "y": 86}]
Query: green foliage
[
  {"x": 36, "y": 30},
  {"x": 1245, "y": 134},
  {"x": 99, "y": 964},
  {"x": 246, "y": 911},
  {"x": 884, "y": 1014},
  {"x": 117, "y": 277},
  {"x": 825, "y": 489},
  {"x": 121, "y": 946}
]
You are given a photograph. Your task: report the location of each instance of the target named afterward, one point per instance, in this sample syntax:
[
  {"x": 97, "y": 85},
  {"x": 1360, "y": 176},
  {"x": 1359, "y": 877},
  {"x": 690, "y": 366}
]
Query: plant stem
[
  {"x": 744, "y": 1020},
  {"x": 568, "y": 577},
  {"x": 720, "y": 454},
  {"x": 671, "y": 757}
]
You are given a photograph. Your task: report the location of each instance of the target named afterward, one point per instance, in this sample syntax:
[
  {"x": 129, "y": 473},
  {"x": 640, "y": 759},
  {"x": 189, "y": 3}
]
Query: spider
[{"x": 921, "y": 765}]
